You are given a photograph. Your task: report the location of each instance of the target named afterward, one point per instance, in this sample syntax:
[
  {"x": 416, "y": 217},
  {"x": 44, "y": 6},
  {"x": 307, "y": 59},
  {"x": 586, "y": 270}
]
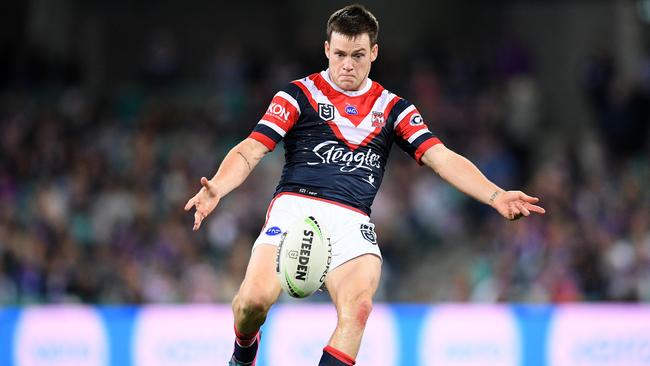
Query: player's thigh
[
  {"x": 260, "y": 281},
  {"x": 355, "y": 282}
]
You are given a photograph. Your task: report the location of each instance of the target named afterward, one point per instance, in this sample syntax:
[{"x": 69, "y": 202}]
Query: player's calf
[
  {"x": 250, "y": 313},
  {"x": 352, "y": 316}
]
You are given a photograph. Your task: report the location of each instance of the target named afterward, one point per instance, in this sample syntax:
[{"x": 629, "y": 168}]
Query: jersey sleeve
[
  {"x": 411, "y": 133},
  {"x": 281, "y": 115}
]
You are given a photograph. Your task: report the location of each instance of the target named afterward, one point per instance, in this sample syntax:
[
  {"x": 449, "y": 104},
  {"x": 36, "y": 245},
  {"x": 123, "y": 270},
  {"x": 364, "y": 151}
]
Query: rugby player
[{"x": 338, "y": 127}]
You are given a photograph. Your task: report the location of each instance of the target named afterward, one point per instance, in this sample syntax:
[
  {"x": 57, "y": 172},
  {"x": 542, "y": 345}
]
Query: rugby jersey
[{"x": 337, "y": 142}]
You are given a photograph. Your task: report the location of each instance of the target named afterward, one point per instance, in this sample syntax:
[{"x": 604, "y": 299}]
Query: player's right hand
[{"x": 204, "y": 201}]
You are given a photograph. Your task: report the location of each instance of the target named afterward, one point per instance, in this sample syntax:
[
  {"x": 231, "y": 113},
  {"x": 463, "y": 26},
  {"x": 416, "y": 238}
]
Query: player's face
[{"x": 350, "y": 59}]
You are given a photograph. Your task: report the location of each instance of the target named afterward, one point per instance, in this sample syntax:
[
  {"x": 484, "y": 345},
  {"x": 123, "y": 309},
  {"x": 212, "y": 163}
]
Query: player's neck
[{"x": 363, "y": 87}]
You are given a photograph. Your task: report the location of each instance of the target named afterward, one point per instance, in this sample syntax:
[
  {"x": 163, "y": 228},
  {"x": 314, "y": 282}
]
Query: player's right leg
[{"x": 257, "y": 293}]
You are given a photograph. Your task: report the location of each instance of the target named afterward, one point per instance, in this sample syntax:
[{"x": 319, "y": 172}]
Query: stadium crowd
[{"x": 92, "y": 184}]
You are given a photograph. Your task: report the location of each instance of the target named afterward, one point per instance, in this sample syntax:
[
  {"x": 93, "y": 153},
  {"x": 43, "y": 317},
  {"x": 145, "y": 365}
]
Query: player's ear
[
  {"x": 374, "y": 51},
  {"x": 327, "y": 49}
]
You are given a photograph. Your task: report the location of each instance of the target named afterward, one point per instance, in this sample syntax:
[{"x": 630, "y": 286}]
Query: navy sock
[
  {"x": 333, "y": 357},
  {"x": 245, "y": 350}
]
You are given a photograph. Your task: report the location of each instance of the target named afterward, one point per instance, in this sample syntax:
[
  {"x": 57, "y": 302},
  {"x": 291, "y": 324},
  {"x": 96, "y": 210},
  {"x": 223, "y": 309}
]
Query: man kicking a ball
[{"x": 338, "y": 127}]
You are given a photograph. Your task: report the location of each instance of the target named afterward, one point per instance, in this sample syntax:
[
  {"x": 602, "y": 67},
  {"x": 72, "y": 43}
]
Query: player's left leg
[{"x": 351, "y": 286}]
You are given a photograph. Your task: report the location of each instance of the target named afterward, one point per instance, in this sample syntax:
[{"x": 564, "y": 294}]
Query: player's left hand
[{"x": 514, "y": 205}]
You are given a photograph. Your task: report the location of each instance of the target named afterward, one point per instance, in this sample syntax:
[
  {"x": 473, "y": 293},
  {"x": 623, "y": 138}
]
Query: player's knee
[{"x": 249, "y": 304}]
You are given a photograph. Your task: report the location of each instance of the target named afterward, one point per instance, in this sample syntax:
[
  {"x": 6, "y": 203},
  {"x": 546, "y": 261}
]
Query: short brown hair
[{"x": 352, "y": 21}]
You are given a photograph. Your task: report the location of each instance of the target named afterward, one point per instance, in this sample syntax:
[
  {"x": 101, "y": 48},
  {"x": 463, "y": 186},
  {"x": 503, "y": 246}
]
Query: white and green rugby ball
[{"x": 304, "y": 257}]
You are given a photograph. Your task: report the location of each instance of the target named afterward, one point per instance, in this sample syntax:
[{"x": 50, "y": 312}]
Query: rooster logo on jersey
[{"x": 377, "y": 119}]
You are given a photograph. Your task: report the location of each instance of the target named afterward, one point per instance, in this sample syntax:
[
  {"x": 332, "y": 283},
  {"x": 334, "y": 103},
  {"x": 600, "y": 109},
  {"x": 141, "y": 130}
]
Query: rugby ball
[{"x": 303, "y": 259}]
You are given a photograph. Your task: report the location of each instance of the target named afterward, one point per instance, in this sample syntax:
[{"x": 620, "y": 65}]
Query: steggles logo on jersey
[
  {"x": 416, "y": 120},
  {"x": 330, "y": 152},
  {"x": 377, "y": 119},
  {"x": 278, "y": 110},
  {"x": 326, "y": 111}
]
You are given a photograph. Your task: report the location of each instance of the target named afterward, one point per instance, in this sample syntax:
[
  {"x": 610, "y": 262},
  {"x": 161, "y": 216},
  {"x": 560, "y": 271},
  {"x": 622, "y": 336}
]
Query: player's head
[{"x": 351, "y": 46}]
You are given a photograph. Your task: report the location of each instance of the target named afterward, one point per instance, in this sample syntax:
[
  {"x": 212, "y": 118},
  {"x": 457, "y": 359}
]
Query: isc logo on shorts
[{"x": 273, "y": 231}]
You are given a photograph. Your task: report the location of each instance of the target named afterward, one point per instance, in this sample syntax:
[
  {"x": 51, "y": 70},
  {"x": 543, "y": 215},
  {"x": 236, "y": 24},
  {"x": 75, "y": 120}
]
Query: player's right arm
[
  {"x": 279, "y": 118},
  {"x": 232, "y": 172}
]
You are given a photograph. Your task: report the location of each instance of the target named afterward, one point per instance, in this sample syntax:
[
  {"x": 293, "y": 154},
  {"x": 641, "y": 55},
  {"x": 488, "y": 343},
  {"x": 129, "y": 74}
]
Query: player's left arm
[{"x": 466, "y": 177}]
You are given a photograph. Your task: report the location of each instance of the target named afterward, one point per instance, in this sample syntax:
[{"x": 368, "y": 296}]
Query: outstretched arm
[
  {"x": 232, "y": 172},
  {"x": 466, "y": 177}
]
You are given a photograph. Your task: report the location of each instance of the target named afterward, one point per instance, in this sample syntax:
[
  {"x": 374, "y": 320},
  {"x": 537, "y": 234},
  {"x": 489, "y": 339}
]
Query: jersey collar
[{"x": 326, "y": 75}]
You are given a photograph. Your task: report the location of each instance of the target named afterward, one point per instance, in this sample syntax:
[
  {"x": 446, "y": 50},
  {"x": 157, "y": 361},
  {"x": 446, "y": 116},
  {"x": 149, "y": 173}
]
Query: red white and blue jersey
[{"x": 337, "y": 142}]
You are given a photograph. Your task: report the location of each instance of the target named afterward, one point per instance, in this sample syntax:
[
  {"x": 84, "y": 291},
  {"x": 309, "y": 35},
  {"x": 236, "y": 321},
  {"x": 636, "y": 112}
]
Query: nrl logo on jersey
[
  {"x": 325, "y": 111},
  {"x": 377, "y": 119}
]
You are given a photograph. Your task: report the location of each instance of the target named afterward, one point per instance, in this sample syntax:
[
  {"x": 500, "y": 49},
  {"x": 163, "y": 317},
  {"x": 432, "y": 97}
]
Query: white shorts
[{"x": 351, "y": 232}]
